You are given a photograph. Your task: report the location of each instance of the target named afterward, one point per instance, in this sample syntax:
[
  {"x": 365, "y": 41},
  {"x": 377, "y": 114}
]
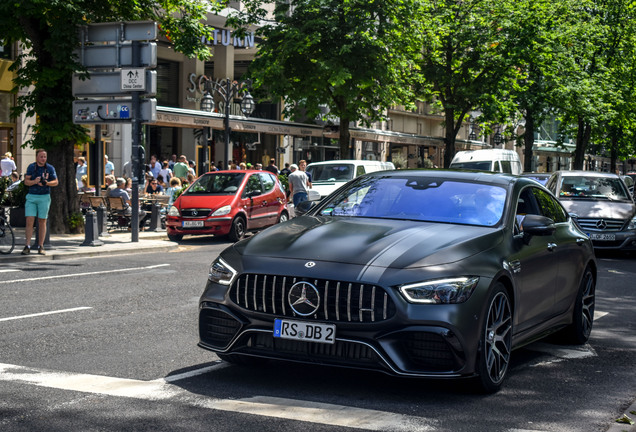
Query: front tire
[
  {"x": 175, "y": 237},
  {"x": 495, "y": 345},
  {"x": 579, "y": 331},
  {"x": 284, "y": 217},
  {"x": 237, "y": 231}
]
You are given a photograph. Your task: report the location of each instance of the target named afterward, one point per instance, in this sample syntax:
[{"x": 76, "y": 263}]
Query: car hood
[
  {"x": 203, "y": 201},
  {"x": 599, "y": 209},
  {"x": 370, "y": 242}
]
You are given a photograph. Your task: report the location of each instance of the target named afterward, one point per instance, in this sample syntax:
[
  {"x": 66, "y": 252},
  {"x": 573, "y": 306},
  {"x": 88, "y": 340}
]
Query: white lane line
[
  {"x": 289, "y": 409},
  {"x": 192, "y": 373},
  {"x": 9, "y": 270},
  {"x": 45, "y": 313},
  {"x": 598, "y": 315},
  {"x": 84, "y": 274}
]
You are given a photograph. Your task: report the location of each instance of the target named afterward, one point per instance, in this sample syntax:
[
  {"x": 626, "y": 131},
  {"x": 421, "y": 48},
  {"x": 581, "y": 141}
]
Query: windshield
[
  {"x": 331, "y": 172},
  {"x": 421, "y": 199},
  {"x": 479, "y": 165},
  {"x": 582, "y": 187},
  {"x": 216, "y": 184}
]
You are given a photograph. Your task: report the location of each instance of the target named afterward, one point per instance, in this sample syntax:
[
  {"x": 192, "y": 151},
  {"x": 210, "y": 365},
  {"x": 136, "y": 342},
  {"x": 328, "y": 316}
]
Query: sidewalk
[{"x": 63, "y": 246}]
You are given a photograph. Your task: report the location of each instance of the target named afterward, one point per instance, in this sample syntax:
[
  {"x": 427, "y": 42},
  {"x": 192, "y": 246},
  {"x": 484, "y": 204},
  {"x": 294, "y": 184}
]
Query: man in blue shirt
[{"x": 40, "y": 177}]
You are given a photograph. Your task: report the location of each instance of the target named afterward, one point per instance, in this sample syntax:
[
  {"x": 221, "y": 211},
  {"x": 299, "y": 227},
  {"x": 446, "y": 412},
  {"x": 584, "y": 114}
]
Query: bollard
[
  {"x": 155, "y": 218},
  {"x": 102, "y": 230},
  {"x": 47, "y": 237},
  {"x": 91, "y": 232}
]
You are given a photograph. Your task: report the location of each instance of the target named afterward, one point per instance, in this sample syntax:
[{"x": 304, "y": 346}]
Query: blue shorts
[{"x": 37, "y": 205}]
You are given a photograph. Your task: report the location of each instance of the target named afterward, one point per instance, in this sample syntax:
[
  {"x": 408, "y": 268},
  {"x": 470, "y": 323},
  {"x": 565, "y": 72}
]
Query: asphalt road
[{"x": 117, "y": 351}]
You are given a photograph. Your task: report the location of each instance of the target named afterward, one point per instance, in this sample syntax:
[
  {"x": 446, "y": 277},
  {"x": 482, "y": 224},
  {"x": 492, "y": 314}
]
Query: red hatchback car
[{"x": 228, "y": 203}]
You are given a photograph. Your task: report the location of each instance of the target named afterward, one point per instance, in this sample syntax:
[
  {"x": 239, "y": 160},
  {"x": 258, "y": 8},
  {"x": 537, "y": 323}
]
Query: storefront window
[
  {"x": 5, "y": 107},
  {"x": 5, "y": 50}
]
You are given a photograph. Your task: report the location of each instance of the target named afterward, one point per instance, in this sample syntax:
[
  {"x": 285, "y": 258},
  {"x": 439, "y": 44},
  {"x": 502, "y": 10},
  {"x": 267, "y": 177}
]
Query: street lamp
[
  {"x": 498, "y": 139},
  {"x": 207, "y": 105},
  {"x": 227, "y": 90}
]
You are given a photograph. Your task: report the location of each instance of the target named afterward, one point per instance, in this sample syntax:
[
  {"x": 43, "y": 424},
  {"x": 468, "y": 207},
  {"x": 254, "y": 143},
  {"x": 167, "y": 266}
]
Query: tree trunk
[
  {"x": 528, "y": 142},
  {"x": 582, "y": 140},
  {"x": 345, "y": 139},
  {"x": 449, "y": 137},
  {"x": 64, "y": 199}
]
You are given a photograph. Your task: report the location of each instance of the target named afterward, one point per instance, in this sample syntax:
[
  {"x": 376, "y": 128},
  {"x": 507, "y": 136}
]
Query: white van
[
  {"x": 495, "y": 160},
  {"x": 328, "y": 176}
]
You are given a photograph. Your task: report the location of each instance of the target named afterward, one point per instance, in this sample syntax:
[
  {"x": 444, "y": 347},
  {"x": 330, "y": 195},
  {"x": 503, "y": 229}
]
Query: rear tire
[
  {"x": 495, "y": 344},
  {"x": 579, "y": 331},
  {"x": 284, "y": 217},
  {"x": 237, "y": 231}
]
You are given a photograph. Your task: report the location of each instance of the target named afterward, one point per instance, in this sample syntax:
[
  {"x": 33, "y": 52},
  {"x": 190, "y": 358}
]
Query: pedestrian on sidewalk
[{"x": 40, "y": 177}]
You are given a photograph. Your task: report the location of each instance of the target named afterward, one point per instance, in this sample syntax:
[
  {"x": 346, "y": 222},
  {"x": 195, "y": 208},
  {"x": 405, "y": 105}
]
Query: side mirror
[
  {"x": 535, "y": 225},
  {"x": 303, "y": 207}
]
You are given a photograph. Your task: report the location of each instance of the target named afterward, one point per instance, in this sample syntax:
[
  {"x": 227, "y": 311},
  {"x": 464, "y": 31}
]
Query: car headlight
[
  {"x": 632, "y": 224},
  {"x": 441, "y": 291},
  {"x": 221, "y": 272},
  {"x": 222, "y": 211},
  {"x": 173, "y": 211}
]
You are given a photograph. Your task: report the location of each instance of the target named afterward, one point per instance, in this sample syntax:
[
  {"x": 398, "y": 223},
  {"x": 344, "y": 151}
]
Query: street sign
[
  {"x": 93, "y": 111},
  {"x": 112, "y": 83},
  {"x": 115, "y": 56},
  {"x": 133, "y": 79},
  {"x": 119, "y": 31}
]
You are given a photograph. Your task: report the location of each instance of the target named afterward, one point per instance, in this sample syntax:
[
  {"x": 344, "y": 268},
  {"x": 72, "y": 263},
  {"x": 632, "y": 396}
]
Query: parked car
[
  {"x": 493, "y": 160},
  {"x": 328, "y": 176},
  {"x": 601, "y": 204},
  {"x": 415, "y": 273},
  {"x": 541, "y": 178},
  {"x": 228, "y": 203}
]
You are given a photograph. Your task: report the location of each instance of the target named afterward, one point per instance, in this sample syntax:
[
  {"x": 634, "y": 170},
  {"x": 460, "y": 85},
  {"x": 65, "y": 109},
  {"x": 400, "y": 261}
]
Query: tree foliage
[
  {"x": 352, "y": 56},
  {"x": 47, "y": 33}
]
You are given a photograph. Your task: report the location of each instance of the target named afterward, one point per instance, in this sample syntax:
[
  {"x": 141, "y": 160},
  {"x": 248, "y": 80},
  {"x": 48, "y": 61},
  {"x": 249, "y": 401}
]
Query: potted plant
[{"x": 76, "y": 223}]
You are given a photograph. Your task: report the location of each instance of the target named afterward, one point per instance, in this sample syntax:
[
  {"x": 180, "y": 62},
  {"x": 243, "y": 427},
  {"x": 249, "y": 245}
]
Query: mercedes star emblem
[
  {"x": 601, "y": 224},
  {"x": 304, "y": 298},
  {"x": 310, "y": 264}
]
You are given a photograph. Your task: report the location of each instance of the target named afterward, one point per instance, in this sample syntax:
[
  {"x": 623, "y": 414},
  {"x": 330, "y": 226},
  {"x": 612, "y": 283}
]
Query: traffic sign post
[{"x": 123, "y": 61}]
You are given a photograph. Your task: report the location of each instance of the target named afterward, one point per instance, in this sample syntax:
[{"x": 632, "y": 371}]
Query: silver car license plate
[
  {"x": 305, "y": 331},
  {"x": 605, "y": 237},
  {"x": 193, "y": 224}
]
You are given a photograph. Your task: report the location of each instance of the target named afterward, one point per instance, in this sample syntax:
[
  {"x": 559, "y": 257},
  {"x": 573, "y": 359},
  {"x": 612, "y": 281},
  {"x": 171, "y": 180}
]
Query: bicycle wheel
[{"x": 7, "y": 238}]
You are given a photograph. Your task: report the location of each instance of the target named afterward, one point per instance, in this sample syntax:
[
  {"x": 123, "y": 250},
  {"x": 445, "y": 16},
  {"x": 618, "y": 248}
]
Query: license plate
[
  {"x": 606, "y": 237},
  {"x": 305, "y": 331},
  {"x": 193, "y": 224}
]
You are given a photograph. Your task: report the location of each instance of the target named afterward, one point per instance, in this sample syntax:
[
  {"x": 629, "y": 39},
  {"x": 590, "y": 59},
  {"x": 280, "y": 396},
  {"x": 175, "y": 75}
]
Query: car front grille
[
  {"x": 217, "y": 328},
  {"x": 601, "y": 225},
  {"x": 339, "y": 301},
  {"x": 195, "y": 212},
  {"x": 341, "y": 352}
]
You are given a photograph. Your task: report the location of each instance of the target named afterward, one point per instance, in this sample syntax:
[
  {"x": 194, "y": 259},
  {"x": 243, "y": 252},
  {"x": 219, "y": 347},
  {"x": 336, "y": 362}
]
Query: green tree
[
  {"x": 352, "y": 56},
  {"x": 47, "y": 33},
  {"x": 466, "y": 61}
]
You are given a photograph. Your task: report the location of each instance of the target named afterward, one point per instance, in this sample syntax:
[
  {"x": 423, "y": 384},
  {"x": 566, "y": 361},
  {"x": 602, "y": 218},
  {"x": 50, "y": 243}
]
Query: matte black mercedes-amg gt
[{"x": 413, "y": 273}]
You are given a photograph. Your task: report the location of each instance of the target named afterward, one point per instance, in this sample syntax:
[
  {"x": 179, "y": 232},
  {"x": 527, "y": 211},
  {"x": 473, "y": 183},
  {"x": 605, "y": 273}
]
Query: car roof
[
  {"x": 579, "y": 173},
  {"x": 471, "y": 176}
]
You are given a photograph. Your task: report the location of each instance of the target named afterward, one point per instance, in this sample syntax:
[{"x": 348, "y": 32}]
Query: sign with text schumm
[{"x": 133, "y": 79}]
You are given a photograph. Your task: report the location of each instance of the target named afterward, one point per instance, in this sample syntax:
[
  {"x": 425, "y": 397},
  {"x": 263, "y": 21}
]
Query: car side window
[
  {"x": 268, "y": 182},
  {"x": 253, "y": 184},
  {"x": 550, "y": 207},
  {"x": 506, "y": 167},
  {"x": 360, "y": 171}
]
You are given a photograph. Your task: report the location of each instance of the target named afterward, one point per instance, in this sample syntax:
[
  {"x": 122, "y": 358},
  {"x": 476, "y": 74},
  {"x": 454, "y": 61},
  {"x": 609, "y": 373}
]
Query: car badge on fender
[
  {"x": 304, "y": 298},
  {"x": 310, "y": 264}
]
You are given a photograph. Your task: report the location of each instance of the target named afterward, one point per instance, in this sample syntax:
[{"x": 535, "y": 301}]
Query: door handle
[
  {"x": 551, "y": 246},
  {"x": 580, "y": 241}
]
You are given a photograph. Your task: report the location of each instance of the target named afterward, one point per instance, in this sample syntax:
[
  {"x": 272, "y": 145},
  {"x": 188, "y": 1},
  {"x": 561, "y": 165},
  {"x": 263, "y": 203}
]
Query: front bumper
[
  {"x": 216, "y": 226},
  {"x": 623, "y": 240},
  {"x": 416, "y": 340}
]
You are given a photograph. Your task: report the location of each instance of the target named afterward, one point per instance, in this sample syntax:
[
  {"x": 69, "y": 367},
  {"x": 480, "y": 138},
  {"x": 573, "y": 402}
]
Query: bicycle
[{"x": 7, "y": 237}]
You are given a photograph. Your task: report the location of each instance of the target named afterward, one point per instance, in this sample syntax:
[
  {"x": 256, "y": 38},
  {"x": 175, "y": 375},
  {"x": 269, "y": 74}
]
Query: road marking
[
  {"x": 9, "y": 270},
  {"x": 45, "y": 313},
  {"x": 192, "y": 373},
  {"x": 84, "y": 274},
  {"x": 288, "y": 409}
]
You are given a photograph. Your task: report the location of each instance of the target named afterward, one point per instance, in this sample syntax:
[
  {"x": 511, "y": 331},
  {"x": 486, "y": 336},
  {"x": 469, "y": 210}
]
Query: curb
[{"x": 624, "y": 427}]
